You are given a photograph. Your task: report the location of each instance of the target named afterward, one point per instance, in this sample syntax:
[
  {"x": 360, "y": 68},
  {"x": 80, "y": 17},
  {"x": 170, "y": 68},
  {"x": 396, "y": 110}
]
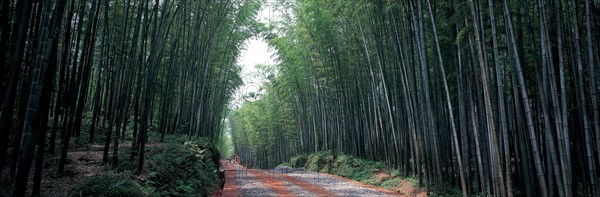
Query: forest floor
[
  {"x": 287, "y": 181},
  {"x": 85, "y": 162},
  {"x": 82, "y": 163}
]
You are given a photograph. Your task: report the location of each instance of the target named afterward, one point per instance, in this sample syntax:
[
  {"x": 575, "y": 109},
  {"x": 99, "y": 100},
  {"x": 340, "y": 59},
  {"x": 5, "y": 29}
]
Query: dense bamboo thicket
[
  {"x": 106, "y": 71},
  {"x": 493, "y": 97}
]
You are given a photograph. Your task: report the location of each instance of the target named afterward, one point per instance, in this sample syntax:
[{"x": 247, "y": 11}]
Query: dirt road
[{"x": 284, "y": 181}]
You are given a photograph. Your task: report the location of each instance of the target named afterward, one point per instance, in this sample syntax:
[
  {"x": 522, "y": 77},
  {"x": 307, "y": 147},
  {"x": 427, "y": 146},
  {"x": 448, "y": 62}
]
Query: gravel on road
[
  {"x": 286, "y": 181},
  {"x": 336, "y": 185}
]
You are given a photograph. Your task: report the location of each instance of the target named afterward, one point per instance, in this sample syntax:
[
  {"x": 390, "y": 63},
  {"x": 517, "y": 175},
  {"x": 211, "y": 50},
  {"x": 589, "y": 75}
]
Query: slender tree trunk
[
  {"x": 593, "y": 87},
  {"x": 49, "y": 60},
  {"x": 449, "y": 103},
  {"x": 495, "y": 157},
  {"x": 583, "y": 105},
  {"x": 501, "y": 103},
  {"x": 31, "y": 127},
  {"x": 524, "y": 96},
  {"x": 17, "y": 43}
]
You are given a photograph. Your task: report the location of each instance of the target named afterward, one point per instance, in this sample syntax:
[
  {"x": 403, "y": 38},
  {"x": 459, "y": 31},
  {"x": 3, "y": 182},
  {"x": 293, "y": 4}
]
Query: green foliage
[
  {"x": 391, "y": 183},
  {"x": 177, "y": 168},
  {"x": 183, "y": 170},
  {"x": 298, "y": 161},
  {"x": 225, "y": 143},
  {"x": 315, "y": 161},
  {"x": 396, "y": 173},
  {"x": 362, "y": 175},
  {"x": 110, "y": 185},
  {"x": 412, "y": 180},
  {"x": 265, "y": 123},
  {"x": 344, "y": 166},
  {"x": 285, "y": 164}
]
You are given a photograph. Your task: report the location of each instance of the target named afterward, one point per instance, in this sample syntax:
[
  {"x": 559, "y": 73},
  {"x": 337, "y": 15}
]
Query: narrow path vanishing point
[{"x": 240, "y": 181}]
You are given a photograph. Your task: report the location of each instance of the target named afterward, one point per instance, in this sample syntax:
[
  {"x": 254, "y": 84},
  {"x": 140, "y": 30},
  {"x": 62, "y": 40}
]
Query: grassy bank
[{"x": 369, "y": 172}]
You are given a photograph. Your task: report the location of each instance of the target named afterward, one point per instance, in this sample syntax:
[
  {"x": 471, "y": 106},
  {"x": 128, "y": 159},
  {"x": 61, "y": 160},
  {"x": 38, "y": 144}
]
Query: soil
[
  {"x": 299, "y": 182},
  {"x": 408, "y": 190},
  {"x": 82, "y": 163},
  {"x": 231, "y": 188},
  {"x": 382, "y": 176}
]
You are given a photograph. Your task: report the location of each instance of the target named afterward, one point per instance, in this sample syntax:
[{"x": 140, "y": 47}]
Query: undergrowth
[
  {"x": 365, "y": 171},
  {"x": 346, "y": 166},
  {"x": 118, "y": 185},
  {"x": 177, "y": 171},
  {"x": 178, "y": 167}
]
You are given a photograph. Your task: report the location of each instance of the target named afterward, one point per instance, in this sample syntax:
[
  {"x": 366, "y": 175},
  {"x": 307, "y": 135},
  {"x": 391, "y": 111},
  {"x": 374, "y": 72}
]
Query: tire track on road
[
  {"x": 312, "y": 188},
  {"x": 252, "y": 182}
]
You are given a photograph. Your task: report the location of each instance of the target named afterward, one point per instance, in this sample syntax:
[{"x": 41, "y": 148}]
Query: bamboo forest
[{"x": 353, "y": 98}]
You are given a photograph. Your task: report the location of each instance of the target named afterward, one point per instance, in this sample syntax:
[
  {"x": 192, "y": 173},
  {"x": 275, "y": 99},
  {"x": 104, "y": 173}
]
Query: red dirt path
[
  {"x": 303, "y": 184},
  {"x": 388, "y": 192},
  {"x": 231, "y": 188},
  {"x": 274, "y": 181},
  {"x": 306, "y": 185},
  {"x": 277, "y": 186}
]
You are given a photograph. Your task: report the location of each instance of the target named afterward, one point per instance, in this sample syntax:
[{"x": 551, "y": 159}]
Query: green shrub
[
  {"x": 183, "y": 170},
  {"x": 288, "y": 164},
  {"x": 392, "y": 183},
  {"x": 177, "y": 168},
  {"x": 362, "y": 175},
  {"x": 327, "y": 163},
  {"x": 299, "y": 161},
  {"x": 109, "y": 185},
  {"x": 343, "y": 166},
  {"x": 396, "y": 173},
  {"x": 379, "y": 165},
  {"x": 413, "y": 180},
  {"x": 316, "y": 161},
  {"x": 356, "y": 169}
]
